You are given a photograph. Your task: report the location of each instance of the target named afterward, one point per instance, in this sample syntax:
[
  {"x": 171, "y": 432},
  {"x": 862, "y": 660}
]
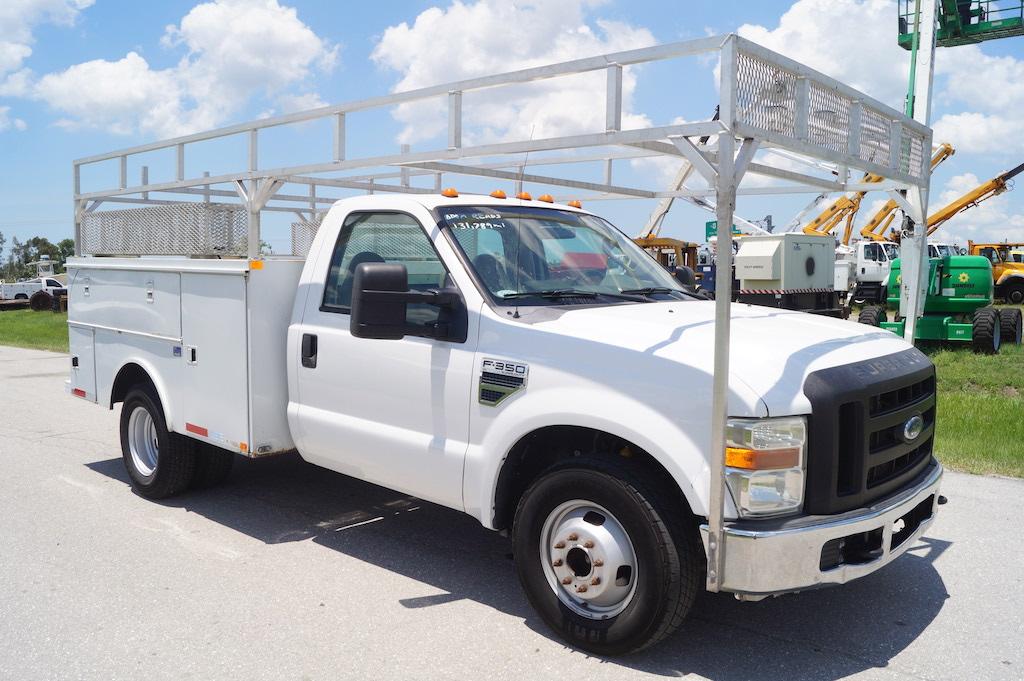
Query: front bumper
[{"x": 763, "y": 559}]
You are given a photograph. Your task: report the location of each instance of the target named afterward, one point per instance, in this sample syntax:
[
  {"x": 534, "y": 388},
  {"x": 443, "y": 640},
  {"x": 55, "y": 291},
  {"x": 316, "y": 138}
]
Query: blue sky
[{"x": 80, "y": 77}]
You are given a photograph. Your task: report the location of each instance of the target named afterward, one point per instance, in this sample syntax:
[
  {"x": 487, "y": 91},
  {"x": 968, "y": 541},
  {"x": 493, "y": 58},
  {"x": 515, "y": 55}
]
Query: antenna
[{"x": 519, "y": 223}]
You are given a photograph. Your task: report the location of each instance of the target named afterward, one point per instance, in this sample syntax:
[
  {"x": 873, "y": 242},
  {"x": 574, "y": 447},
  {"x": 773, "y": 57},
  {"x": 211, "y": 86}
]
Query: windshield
[
  {"x": 942, "y": 250},
  {"x": 548, "y": 256},
  {"x": 891, "y": 250}
]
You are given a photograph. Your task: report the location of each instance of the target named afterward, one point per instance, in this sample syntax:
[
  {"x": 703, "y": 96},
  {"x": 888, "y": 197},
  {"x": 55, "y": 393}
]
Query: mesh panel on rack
[
  {"x": 178, "y": 229},
  {"x": 766, "y": 99},
  {"x": 874, "y": 137},
  {"x": 302, "y": 235},
  {"x": 912, "y": 155},
  {"x": 828, "y": 121},
  {"x": 765, "y": 95}
]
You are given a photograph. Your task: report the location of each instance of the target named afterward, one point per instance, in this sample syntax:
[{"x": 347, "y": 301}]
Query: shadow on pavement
[{"x": 822, "y": 634}]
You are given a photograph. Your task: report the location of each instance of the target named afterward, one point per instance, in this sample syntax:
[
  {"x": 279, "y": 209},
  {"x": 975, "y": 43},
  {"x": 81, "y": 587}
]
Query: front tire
[
  {"x": 608, "y": 556},
  {"x": 1014, "y": 292},
  {"x": 871, "y": 315},
  {"x": 985, "y": 331},
  {"x": 160, "y": 463}
]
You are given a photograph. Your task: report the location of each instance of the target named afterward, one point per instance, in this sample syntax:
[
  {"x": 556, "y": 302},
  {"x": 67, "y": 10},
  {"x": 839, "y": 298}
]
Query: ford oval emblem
[{"x": 912, "y": 428}]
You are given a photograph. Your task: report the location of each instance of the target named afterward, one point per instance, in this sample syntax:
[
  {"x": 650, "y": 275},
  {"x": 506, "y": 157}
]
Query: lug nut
[
  {"x": 558, "y": 563},
  {"x": 598, "y": 563},
  {"x": 595, "y": 581},
  {"x": 581, "y": 588},
  {"x": 588, "y": 544},
  {"x": 573, "y": 537},
  {"x": 560, "y": 545},
  {"x": 566, "y": 580}
]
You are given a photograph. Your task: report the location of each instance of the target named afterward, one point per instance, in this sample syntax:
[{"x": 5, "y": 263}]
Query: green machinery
[
  {"x": 962, "y": 22},
  {"x": 958, "y": 306}
]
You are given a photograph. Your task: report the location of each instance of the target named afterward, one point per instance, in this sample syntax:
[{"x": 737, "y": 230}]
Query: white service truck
[
  {"x": 23, "y": 290},
  {"x": 526, "y": 363}
]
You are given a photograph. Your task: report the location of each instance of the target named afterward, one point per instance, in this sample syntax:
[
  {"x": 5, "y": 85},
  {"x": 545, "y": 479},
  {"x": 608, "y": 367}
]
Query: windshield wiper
[
  {"x": 576, "y": 293},
  {"x": 554, "y": 293},
  {"x": 648, "y": 290}
]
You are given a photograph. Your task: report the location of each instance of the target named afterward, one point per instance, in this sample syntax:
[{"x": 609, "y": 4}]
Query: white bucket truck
[{"x": 522, "y": 361}]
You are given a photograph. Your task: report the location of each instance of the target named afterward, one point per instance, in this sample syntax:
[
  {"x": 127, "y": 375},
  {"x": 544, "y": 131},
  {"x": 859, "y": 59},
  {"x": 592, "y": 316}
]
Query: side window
[
  {"x": 383, "y": 237},
  {"x": 53, "y": 282},
  {"x": 872, "y": 252},
  {"x": 991, "y": 254}
]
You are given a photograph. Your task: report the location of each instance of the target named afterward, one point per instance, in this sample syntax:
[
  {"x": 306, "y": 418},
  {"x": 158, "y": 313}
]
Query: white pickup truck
[
  {"x": 526, "y": 363},
  {"x": 23, "y": 290}
]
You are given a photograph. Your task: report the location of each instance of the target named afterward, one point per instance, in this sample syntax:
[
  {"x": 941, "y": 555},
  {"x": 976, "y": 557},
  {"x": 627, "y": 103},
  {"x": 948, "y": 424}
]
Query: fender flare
[
  {"x": 1005, "y": 278},
  {"x": 158, "y": 383}
]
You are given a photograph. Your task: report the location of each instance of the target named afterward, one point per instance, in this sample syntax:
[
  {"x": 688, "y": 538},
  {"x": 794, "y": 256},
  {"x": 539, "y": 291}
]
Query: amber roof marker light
[{"x": 450, "y": 192}]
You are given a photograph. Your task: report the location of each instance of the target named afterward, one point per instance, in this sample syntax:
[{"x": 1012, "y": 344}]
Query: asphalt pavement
[{"x": 290, "y": 571}]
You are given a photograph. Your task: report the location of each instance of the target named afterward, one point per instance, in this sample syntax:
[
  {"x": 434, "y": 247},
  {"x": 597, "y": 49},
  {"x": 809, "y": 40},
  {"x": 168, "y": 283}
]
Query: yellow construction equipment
[
  {"x": 876, "y": 228},
  {"x": 844, "y": 209},
  {"x": 879, "y": 223}
]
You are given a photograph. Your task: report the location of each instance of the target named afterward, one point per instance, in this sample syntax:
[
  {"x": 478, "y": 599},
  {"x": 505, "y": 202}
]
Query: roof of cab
[{"x": 431, "y": 201}]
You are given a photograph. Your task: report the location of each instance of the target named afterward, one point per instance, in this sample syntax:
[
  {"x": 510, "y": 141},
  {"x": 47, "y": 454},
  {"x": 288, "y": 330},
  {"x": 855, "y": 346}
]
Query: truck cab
[
  {"x": 1007, "y": 270},
  {"x": 872, "y": 262}
]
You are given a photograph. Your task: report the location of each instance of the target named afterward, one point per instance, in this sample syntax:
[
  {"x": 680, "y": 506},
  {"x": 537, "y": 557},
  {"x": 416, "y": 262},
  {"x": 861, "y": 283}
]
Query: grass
[
  {"x": 35, "y": 330},
  {"x": 980, "y": 421}
]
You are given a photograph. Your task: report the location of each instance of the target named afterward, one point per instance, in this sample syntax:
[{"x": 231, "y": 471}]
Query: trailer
[{"x": 521, "y": 359}]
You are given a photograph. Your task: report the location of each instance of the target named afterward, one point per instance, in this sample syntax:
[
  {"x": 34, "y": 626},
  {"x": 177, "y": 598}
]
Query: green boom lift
[
  {"x": 959, "y": 296},
  {"x": 962, "y": 22},
  {"x": 957, "y": 307}
]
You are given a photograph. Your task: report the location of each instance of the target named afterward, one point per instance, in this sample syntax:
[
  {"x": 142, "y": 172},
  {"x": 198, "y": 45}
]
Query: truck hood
[{"x": 771, "y": 351}]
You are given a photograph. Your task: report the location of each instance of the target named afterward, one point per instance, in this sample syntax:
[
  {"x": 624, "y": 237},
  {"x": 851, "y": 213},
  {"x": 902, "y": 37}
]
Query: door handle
[{"x": 309, "y": 350}]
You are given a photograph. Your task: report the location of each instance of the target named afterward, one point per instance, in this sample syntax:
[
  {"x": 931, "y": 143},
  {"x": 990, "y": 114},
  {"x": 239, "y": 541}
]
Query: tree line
[{"x": 14, "y": 262}]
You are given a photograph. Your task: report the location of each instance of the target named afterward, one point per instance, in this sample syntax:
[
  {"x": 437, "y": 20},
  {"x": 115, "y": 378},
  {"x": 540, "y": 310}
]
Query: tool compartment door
[
  {"x": 214, "y": 352},
  {"x": 82, "y": 344}
]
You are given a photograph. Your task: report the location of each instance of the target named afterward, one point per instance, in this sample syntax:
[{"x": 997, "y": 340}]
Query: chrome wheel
[
  {"x": 142, "y": 441},
  {"x": 588, "y": 559}
]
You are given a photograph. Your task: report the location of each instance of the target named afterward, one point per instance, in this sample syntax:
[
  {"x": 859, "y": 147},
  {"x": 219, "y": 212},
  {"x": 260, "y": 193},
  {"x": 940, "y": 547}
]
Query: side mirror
[
  {"x": 375, "y": 314},
  {"x": 685, "y": 276},
  {"x": 380, "y": 294}
]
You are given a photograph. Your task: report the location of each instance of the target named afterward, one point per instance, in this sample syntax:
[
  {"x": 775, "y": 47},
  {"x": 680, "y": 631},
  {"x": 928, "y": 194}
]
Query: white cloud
[
  {"x": 493, "y": 36},
  {"x": 979, "y": 133},
  {"x": 236, "y": 50},
  {"x": 7, "y": 121},
  {"x": 17, "y": 19}
]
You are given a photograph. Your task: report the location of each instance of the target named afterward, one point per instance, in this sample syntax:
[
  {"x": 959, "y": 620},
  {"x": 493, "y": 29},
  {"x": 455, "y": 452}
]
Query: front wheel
[
  {"x": 986, "y": 334},
  {"x": 871, "y": 315},
  {"x": 608, "y": 557},
  {"x": 160, "y": 463},
  {"x": 1014, "y": 292}
]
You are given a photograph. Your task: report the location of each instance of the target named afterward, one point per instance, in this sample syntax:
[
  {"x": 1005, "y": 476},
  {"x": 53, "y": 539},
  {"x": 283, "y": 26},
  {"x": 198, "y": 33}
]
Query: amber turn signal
[{"x": 762, "y": 459}]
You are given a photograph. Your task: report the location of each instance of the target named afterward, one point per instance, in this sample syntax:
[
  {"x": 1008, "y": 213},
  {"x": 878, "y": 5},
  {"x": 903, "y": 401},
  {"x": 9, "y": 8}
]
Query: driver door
[{"x": 393, "y": 412}]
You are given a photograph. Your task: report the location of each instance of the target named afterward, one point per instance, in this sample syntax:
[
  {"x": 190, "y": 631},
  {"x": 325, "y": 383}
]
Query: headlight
[{"x": 764, "y": 465}]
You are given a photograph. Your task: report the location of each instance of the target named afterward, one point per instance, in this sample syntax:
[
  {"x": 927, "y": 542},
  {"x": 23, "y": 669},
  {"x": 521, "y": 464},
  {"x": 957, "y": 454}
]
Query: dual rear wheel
[{"x": 161, "y": 463}]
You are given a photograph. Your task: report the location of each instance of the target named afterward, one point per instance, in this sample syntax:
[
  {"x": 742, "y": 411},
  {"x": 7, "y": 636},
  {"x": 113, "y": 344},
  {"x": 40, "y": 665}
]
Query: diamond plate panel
[{"x": 174, "y": 229}]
